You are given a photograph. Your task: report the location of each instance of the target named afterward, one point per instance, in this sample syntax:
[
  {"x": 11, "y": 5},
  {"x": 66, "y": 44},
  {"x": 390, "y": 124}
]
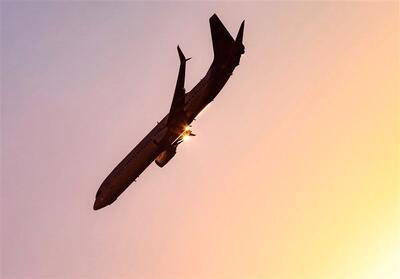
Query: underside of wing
[{"x": 178, "y": 101}]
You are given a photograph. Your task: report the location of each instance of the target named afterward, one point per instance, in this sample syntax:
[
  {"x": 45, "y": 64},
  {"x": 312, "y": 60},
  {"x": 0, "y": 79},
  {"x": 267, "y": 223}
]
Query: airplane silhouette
[{"x": 161, "y": 143}]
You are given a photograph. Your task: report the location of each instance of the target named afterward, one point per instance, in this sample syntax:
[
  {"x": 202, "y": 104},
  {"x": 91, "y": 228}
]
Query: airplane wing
[{"x": 176, "y": 112}]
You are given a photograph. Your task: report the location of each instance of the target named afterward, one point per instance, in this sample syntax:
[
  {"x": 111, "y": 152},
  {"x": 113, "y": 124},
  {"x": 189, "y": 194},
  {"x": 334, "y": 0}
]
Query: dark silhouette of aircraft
[{"x": 161, "y": 143}]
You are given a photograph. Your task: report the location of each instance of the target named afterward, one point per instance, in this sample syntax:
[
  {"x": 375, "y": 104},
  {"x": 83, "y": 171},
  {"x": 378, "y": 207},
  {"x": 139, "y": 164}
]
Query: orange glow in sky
[{"x": 305, "y": 183}]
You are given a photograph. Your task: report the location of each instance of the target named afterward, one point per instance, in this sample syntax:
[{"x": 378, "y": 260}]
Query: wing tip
[{"x": 182, "y": 57}]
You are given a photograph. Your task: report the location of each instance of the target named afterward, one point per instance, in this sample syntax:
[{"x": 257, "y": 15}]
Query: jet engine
[{"x": 165, "y": 156}]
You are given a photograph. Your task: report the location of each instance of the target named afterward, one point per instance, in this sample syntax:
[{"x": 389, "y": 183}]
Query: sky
[{"x": 294, "y": 172}]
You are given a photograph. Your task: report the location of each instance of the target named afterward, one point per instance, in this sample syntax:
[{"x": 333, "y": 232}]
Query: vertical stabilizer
[{"x": 221, "y": 39}]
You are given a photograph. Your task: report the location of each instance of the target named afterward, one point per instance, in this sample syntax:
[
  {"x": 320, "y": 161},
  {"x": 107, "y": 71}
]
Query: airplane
[{"x": 161, "y": 143}]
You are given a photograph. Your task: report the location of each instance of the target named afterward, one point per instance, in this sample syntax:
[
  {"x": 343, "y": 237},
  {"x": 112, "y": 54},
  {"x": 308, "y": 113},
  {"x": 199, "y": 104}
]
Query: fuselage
[{"x": 129, "y": 169}]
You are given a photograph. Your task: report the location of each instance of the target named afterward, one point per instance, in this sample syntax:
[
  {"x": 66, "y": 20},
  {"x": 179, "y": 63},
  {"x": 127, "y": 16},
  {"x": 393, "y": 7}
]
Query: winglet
[
  {"x": 239, "y": 36},
  {"x": 182, "y": 56}
]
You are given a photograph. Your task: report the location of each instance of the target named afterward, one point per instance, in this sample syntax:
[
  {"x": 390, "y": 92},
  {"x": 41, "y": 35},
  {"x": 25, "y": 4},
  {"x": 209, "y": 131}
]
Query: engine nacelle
[{"x": 165, "y": 156}]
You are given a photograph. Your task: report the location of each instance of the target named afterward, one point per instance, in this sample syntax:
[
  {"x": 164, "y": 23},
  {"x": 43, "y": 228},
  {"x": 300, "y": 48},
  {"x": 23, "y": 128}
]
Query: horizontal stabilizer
[{"x": 239, "y": 36}]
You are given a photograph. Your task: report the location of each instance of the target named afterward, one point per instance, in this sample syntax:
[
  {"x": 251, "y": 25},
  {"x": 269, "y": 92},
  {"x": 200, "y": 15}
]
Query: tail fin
[{"x": 221, "y": 38}]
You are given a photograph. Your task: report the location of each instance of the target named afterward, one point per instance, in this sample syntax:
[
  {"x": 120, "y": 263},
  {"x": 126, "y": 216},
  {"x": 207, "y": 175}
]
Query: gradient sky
[{"x": 294, "y": 172}]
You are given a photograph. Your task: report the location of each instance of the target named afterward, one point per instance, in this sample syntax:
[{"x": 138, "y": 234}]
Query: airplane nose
[{"x": 97, "y": 205}]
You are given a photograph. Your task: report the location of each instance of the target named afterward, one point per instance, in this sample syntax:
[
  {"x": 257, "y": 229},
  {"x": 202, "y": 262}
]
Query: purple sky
[{"x": 261, "y": 191}]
